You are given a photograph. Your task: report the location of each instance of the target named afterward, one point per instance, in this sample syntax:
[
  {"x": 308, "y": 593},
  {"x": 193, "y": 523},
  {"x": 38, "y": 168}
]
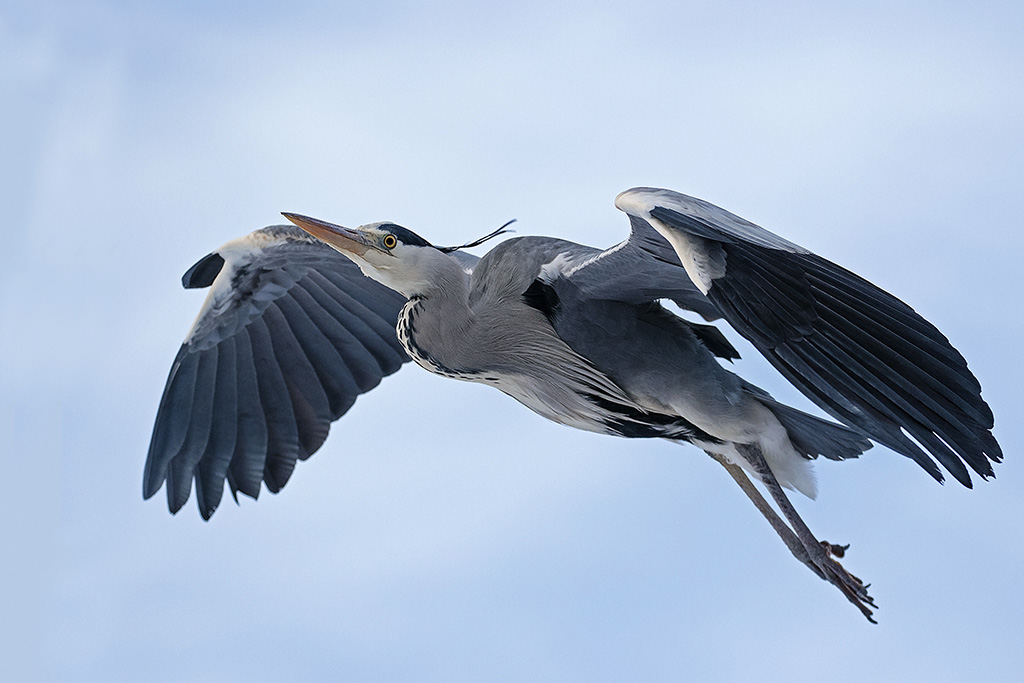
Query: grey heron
[{"x": 299, "y": 322}]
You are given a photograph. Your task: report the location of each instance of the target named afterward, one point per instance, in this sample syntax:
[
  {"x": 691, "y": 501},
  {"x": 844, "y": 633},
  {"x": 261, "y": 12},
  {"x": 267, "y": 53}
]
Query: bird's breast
[{"x": 416, "y": 340}]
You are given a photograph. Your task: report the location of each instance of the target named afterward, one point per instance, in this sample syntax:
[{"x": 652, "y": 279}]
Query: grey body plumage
[{"x": 292, "y": 333}]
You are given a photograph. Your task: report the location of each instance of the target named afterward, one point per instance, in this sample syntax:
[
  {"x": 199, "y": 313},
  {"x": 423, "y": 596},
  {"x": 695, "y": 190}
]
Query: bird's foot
[
  {"x": 824, "y": 555},
  {"x": 835, "y": 550},
  {"x": 819, "y": 556}
]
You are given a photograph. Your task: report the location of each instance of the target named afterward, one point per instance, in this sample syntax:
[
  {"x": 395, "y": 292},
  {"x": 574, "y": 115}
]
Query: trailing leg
[
  {"x": 821, "y": 554},
  {"x": 776, "y": 522}
]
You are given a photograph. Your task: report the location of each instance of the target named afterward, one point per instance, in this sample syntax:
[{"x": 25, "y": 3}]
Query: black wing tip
[
  {"x": 950, "y": 424},
  {"x": 150, "y": 484},
  {"x": 203, "y": 272},
  {"x": 981, "y": 465},
  {"x": 206, "y": 511}
]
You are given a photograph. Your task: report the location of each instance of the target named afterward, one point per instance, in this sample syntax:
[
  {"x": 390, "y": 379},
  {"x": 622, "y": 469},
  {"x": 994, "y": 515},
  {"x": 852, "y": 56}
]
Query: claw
[
  {"x": 835, "y": 550},
  {"x": 851, "y": 586}
]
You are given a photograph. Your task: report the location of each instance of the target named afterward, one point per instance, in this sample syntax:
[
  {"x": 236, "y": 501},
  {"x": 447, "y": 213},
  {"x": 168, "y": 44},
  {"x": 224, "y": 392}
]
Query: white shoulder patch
[
  {"x": 563, "y": 266},
  {"x": 560, "y": 266}
]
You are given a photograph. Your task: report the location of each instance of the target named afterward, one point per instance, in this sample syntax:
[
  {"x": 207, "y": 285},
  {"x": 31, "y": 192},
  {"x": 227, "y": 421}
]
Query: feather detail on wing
[
  {"x": 289, "y": 335},
  {"x": 860, "y": 353}
]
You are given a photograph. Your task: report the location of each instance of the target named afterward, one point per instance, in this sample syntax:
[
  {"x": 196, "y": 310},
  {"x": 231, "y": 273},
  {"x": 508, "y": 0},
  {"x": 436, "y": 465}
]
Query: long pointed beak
[{"x": 342, "y": 239}]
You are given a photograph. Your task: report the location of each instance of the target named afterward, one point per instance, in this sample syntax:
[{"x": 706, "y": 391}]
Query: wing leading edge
[{"x": 860, "y": 353}]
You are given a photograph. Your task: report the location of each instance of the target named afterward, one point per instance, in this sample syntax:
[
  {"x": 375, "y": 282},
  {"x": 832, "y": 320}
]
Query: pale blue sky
[{"x": 445, "y": 533}]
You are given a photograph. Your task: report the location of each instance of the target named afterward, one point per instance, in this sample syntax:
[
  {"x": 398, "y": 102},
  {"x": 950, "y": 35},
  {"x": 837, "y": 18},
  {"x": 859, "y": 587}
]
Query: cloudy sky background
[{"x": 444, "y": 533}]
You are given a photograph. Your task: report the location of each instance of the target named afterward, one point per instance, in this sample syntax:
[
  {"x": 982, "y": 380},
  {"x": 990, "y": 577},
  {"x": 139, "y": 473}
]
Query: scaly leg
[
  {"x": 776, "y": 522},
  {"x": 819, "y": 555}
]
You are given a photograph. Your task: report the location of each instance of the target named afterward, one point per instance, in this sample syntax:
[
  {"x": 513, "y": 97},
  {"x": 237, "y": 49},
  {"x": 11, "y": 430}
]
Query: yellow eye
[{"x": 389, "y": 241}]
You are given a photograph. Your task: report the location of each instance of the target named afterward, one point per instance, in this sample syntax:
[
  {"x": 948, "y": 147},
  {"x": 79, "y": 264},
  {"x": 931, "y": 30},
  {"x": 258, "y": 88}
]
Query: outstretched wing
[
  {"x": 860, "y": 353},
  {"x": 290, "y": 334}
]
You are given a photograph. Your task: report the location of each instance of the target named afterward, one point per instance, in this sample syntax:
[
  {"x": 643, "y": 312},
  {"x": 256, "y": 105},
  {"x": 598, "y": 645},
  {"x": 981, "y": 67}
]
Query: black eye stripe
[{"x": 404, "y": 235}]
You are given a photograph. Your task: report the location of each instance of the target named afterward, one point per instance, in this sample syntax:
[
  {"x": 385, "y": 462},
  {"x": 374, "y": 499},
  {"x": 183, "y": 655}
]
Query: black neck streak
[{"x": 408, "y": 333}]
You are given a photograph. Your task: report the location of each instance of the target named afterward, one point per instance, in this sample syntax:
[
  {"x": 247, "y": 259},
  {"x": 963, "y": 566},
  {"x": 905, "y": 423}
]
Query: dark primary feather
[
  {"x": 857, "y": 351},
  {"x": 248, "y": 459},
  {"x": 293, "y": 334}
]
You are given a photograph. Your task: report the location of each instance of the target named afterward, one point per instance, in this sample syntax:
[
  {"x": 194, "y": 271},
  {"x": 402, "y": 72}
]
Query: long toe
[{"x": 855, "y": 590}]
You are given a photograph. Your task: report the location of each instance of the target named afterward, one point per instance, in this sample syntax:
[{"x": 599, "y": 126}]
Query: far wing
[
  {"x": 290, "y": 334},
  {"x": 858, "y": 352}
]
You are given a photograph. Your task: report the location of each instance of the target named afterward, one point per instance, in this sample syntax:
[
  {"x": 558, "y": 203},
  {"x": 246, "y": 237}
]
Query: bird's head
[{"x": 392, "y": 255}]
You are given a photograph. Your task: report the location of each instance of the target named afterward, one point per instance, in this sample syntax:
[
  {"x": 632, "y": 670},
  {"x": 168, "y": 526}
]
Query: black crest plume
[{"x": 478, "y": 242}]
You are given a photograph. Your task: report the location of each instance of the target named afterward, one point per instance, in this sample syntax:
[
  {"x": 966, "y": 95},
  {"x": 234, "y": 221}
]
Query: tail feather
[{"x": 812, "y": 436}]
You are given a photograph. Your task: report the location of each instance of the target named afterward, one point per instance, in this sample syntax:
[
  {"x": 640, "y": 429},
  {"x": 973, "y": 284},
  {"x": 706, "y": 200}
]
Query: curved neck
[{"x": 435, "y": 325}]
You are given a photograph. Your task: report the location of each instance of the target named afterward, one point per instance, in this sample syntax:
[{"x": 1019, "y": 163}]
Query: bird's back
[{"x": 508, "y": 270}]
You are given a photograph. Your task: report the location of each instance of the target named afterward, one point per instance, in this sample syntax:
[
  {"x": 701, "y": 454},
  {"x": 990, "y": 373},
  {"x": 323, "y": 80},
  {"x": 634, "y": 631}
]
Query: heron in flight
[{"x": 300, "y": 321}]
